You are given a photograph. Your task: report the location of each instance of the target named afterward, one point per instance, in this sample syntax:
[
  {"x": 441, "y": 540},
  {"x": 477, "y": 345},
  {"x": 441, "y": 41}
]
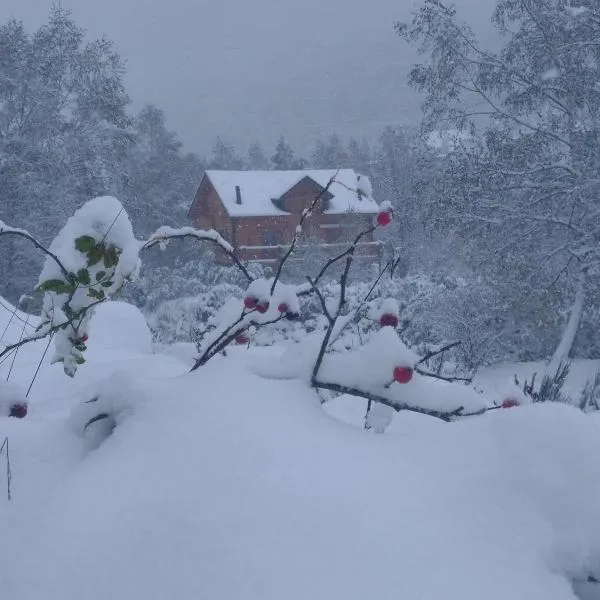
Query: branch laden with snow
[
  {"x": 164, "y": 234},
  {"x": 384, "y": 371}
]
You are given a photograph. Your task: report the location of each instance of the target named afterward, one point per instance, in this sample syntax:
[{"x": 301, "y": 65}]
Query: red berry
[
  {"x": 262, "y": 307},
  {"x": 18, "y": 410},
  {"x": 388, "y": 320},
  {"x": 509, "y": 403},
  {"x": 84, "y": 337},
  {"x": 250, "y": 302},
  {"x": 384, "y": 218},
  {"x": 403, "y": 374},
  {"x": 242, "y": 339},
  {"x": 283, "y": 307}
]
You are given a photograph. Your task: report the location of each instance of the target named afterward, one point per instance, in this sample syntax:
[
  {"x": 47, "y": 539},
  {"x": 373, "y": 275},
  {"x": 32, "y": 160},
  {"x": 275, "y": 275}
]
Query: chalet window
[{"x": 271, "y": 238}]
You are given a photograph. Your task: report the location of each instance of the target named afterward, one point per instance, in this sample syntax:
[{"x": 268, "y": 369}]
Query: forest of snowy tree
[{"x": 498, "y": 220}]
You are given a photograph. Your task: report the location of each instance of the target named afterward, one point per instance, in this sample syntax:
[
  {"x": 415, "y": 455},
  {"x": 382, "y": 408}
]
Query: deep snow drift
[{"x": 222, "y": 484}]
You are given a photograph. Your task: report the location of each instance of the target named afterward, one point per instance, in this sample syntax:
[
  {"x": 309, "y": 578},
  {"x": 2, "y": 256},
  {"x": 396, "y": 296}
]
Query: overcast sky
[{"x": 252, "y": 69}]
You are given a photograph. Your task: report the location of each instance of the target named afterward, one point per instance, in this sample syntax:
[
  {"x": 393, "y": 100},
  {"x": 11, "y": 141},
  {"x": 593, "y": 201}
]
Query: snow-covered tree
[
  {"x": 63, "y": 131},
  {"x": 283, "y": 158},
  {"x": 257, "y": 159},
  {"x": 532, "y": 180},
  {"x": 224, "y": 156},
  {"x": 161, "y": 179}
]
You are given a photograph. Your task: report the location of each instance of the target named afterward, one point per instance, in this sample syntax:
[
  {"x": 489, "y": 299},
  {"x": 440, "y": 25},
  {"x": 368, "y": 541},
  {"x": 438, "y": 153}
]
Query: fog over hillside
[{"x": 251, "y": 71}]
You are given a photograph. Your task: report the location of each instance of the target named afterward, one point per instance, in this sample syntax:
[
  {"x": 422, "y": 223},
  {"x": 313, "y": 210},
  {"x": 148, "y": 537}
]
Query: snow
[
  {"x": 364, "y": 186},
  {"x": 163, "y": 234},
  {"x": 119, "y": 326},
  {"x": 576, "y": 11},
  {"x": 389, "y": 306},
  {"x": 223, "y": 484},
  {"x": 552, "y": 73},
  {"x": 10, "y": 394},
  {"x": 105, "y": 220},
  {"x": 259, "y": 188},
  {"x": 6, "y": 229},
  {"x": 385, "y": 206}
]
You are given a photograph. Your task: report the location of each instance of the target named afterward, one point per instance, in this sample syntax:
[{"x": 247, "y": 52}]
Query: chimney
[{"x": 238, "y": 195}]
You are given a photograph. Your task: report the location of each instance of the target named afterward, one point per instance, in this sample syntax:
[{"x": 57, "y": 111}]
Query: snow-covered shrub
[
  {"x": 107, "y": 407},
  {"x": 180, "y": 319},
  {"x": 94, "y": 254},
  {"x": 119, "y": 326}
]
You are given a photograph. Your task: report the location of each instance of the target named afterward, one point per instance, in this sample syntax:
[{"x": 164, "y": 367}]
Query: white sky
[{"x": 252, "y": 69}]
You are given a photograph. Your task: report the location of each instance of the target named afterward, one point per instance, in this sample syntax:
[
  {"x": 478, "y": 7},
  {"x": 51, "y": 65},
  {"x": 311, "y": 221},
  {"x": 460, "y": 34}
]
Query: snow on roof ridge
[{"x": 259, "y": 188}]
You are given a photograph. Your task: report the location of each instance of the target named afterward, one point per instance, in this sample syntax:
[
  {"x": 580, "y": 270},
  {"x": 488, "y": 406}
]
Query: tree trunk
[{"x": 568, "y": 337}]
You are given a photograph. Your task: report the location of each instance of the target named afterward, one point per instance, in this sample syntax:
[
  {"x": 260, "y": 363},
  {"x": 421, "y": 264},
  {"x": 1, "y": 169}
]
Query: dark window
[{"x": 271, "y": 238}]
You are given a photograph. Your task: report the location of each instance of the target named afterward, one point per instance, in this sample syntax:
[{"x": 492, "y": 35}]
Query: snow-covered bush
[
  {"x": 356, "y": 347},
  {"x": 107, "y": 407},
  {"x": 94, "y": 254}
]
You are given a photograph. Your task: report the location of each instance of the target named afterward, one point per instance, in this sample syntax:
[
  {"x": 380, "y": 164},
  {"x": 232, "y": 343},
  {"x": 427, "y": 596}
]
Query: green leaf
[
  {"x": 80, "y": 346},
  {"x": 106, "y": 283},
  {"x": 85, "y": 243},
  {"x": 111, "y": 257},
  {"x": 51, "y": 285},
  {"x": 79, "y": 360},
  {"x": 84, "y": 276},
  {"x": 95, "y": 254},
  {"x": 100, "y": 275},
  {"x": 97, "y": 294},
  {"x": 56, "y": 285}
]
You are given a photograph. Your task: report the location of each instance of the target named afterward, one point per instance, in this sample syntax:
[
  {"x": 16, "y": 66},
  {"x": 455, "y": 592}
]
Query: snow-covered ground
[{"x": 223, "y": 484}]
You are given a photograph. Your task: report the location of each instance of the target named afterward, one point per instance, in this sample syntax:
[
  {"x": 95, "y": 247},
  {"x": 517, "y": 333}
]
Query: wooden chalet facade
[{"x": 258, "y": 211}]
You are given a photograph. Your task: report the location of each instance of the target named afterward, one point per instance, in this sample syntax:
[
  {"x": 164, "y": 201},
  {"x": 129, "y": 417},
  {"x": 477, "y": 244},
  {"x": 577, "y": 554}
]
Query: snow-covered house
[{"x": 258, "y": 211}]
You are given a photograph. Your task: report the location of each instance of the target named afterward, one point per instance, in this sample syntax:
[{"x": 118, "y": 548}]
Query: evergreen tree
[
  {"x": 257, "y": 160},
  {"x": 224, "y": 157},
  {"x": 283, "y": 158}
]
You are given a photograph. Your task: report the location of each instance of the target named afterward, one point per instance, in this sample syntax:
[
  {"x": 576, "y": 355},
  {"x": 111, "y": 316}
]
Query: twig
[
  {"x": 4, "y": 448},
  {"x": 217, "y": 240},
  {"x": 227, "y": 336},
  {"x": 39, "y": 365},
  {"x": 33, "y": 338},
  {"x": 305, "y": 214},
  {"x": 397, "y": 406},
  {"x": 440, "y": 351},
  {"x": 12, "y": 364},
  {"x": 443, "y": 377},
  {"x": 25, "y": 234},
  {"x": 321, "y": 299}
]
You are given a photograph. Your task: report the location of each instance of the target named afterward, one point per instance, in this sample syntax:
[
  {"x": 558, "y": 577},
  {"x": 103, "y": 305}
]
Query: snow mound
[
  {"x": 224, "y": 485},
  {"x": 119, "y": 326}
]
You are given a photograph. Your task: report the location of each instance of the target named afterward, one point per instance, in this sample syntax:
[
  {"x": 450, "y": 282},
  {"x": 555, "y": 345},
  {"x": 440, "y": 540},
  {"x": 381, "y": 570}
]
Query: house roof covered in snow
[{"x": 350, "y": 192}]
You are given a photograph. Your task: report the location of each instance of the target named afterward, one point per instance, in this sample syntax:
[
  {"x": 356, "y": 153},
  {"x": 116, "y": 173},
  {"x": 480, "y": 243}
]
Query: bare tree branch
[
  {"x": 164, "y": 234},
  {"x": 397, "y": 406},
  {"x": 305, "y": 214},
  {"x": 7, "y": 230}
]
